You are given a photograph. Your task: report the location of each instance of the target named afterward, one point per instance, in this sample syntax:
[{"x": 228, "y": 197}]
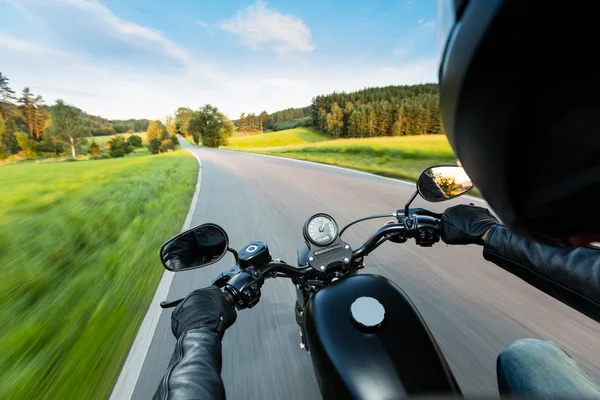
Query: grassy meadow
[
  {"x": 397, "y": 157},
  {"x": 290, "y": 137},
  {"x": 79, "y": 266}
]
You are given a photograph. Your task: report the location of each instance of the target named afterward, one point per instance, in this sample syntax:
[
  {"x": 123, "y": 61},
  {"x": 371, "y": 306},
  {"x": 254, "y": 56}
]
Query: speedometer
[{"x": 321, "y": 230}]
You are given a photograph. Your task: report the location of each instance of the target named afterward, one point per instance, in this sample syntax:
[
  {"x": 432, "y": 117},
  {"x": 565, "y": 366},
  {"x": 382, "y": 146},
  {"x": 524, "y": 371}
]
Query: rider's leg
[{"x": 537, "y": 367}]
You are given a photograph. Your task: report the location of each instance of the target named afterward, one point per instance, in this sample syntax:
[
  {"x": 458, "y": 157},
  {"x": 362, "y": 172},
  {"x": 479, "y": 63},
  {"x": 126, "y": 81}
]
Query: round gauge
[{"x": 321, "y": 230}]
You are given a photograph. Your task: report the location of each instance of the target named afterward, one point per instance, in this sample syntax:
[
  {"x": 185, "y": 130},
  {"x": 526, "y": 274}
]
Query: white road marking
[{"x": 132, "y": 368}]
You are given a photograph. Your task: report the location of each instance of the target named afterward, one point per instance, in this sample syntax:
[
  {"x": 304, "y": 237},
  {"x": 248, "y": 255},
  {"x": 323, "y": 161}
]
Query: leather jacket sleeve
[
  {"x": 195, "y": 368},
  {"x": 571, "y": 275}
]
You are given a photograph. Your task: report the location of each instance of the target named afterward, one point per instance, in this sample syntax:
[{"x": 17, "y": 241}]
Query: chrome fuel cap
[{"x": 367, "y": 312}]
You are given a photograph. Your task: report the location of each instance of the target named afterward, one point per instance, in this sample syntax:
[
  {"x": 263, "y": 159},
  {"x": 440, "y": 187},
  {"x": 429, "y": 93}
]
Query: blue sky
[{"x": 145, "y": 58}]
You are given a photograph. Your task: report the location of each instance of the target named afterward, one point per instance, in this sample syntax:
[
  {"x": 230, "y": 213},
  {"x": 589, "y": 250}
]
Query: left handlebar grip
[{"x": 229, "y": 297}]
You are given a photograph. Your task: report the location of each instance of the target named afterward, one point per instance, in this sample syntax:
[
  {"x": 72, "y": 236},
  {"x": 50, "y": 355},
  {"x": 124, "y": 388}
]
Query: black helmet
[{"x": 520, "y": 103}]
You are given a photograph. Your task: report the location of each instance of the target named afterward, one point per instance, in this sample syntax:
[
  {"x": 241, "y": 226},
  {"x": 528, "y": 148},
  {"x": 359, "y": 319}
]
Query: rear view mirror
[
  {"x": 200, "y": 246},
  {"x": 443, "y": 182}
]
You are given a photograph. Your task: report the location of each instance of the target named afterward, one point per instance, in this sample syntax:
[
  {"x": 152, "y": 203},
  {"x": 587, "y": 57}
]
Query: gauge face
[{"x": 321, "y": 230}]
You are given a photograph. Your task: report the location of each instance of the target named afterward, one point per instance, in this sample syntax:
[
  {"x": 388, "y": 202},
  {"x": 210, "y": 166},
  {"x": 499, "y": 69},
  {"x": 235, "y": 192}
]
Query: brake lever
[{"x": 170, "y": 304}]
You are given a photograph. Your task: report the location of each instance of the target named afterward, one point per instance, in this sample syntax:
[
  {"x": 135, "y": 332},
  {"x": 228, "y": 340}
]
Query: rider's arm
[
  {"x": 198, "y": 323},
  {"x": 195, "y": 368},
  {"x": 572, "y": 275}
]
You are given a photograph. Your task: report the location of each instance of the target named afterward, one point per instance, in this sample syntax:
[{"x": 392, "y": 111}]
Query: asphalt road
[{"x": 474, "y": 309}]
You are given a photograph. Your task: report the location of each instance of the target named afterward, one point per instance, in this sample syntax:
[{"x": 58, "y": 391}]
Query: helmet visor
[{"x": 446, "y": 18}]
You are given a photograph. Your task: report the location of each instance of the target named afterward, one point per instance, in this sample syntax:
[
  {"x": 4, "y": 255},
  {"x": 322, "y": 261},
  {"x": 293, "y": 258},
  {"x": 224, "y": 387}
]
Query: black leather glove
[
  {"x": 203, "y": 308},
  {"x": 466, "y": 224}
]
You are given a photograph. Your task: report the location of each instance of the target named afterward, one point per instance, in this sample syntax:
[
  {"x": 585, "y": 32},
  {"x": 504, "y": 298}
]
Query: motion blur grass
[
  {"x": 396, "y": 157},
  {"x": 79, "y": 244},
  {"x": 296, "y": 136}
]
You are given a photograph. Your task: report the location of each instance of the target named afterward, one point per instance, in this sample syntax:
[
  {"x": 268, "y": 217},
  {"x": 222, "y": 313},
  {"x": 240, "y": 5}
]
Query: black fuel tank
[{"x": 397, "y": 358}]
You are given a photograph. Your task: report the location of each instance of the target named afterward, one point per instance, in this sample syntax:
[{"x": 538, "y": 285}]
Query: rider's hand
[
  {"x": 203, "y": 308},
  {"x": 466, "y": 224}
]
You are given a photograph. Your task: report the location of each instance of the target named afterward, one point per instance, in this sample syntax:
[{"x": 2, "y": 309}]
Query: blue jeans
[{"x": 531, "y": 367}]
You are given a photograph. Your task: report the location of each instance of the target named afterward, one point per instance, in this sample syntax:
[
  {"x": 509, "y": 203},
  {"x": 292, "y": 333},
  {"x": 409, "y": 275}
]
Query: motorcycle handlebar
[{"x": 243, "y": 290}]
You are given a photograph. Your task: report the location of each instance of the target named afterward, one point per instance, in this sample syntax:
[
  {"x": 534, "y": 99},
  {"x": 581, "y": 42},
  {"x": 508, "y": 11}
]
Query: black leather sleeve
[
  {"x": 571, "y": 275},
  {"x": 195, "y": 369}
]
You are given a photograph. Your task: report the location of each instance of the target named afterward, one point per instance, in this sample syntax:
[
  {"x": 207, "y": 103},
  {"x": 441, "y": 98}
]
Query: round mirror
[
  {"x": 200, "y": 246},
  {"x": 443, "y": 182}
]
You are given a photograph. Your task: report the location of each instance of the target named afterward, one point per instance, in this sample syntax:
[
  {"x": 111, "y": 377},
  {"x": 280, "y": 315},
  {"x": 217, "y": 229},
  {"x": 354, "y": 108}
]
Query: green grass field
[
  {"x": 297, "y": 136},
  {"x": 396, "y": 157},
  {"x": 79, "y": 244},
  {"x": 101, "y": 140}
]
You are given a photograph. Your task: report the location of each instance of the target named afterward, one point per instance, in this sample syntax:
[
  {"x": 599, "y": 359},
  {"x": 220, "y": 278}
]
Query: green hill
[{"x": 296, "y": 136}]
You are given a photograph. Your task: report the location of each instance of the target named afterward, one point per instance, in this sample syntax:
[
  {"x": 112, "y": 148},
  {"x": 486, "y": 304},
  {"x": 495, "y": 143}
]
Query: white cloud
[
  {"x": 429, "y": 25},
  {"x": 412, "y": 38},
  {"x": 202, "y": 23},
  {"x": 90, "y": 17},
  {"x": 112, "y": 86},
  {"x": 17, "y": 45},
  {"x": 257, "y": 25}
]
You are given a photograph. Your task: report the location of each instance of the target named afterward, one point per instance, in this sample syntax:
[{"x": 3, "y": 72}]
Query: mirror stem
[
  {"x": 235, "y": 254},
  {"x": 408, "y": 203}
]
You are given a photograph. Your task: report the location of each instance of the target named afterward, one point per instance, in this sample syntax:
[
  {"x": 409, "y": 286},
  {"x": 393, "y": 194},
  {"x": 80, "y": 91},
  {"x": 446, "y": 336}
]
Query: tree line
[
  {"x": 29, "y": 127},
  {"x": 382, "y": 111},
  {"x": 28, "y": 113},
  {"x": 277, "y": 121},
  {"x": 385, "y": 111}
]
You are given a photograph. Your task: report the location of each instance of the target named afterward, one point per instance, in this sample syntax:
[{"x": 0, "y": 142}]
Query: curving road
[{"x": 473, "y": 308}]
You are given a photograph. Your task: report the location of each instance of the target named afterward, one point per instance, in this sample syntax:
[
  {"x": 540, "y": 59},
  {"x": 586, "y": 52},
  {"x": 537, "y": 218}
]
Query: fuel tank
[{"x": 378, "y": 347}]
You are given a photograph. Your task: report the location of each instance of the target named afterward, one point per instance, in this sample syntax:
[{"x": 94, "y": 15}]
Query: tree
[
  {"x": 262, "y": 117},
  {"x": 135, "y": 140},
  {"x": 156, "y": 130},
  {"x": 94, "y": 148},
  {"x": 335, "y": 120},
  {"x": 211, "y": 126},
  {"x": 182, "y": 117},
  {"x": 154, "y": 145},
  {"x": 175, "y": 141},
  {"x": 40, "y": 118},
  {"x": 3, "y": 149},
  {"x": 7, "y": 95},
  {"x": 8, "y": 138},
  {"x": 171, "y": 126},
  {"x": 28, "y": 109},
  {"x": 66, "y": 126},
  {"x": 26, "y": 144},
  {"x": 119, "y": 147}
]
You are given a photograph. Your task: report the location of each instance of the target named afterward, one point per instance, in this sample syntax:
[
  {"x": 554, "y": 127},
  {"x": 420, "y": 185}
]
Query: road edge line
[
  {"x": 466, "y": 196},
  {"x": 132, "y": 368}
]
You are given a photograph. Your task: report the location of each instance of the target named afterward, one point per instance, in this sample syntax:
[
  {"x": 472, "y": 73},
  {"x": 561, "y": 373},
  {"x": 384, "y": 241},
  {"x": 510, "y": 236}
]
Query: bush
[
  {"x": 154, "y": 145},
  {"x": 49, "y": 147},
  {"x": 119, "y": 147},
  {"x": 99, "y": 156},
  {"x": 165, "y": 146},
  {"x": 135, "y": 140},
  {"x": 175, "y": 141},
  {"x": 94, "y": 149},
  {"x": 26, "y": 144}
]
